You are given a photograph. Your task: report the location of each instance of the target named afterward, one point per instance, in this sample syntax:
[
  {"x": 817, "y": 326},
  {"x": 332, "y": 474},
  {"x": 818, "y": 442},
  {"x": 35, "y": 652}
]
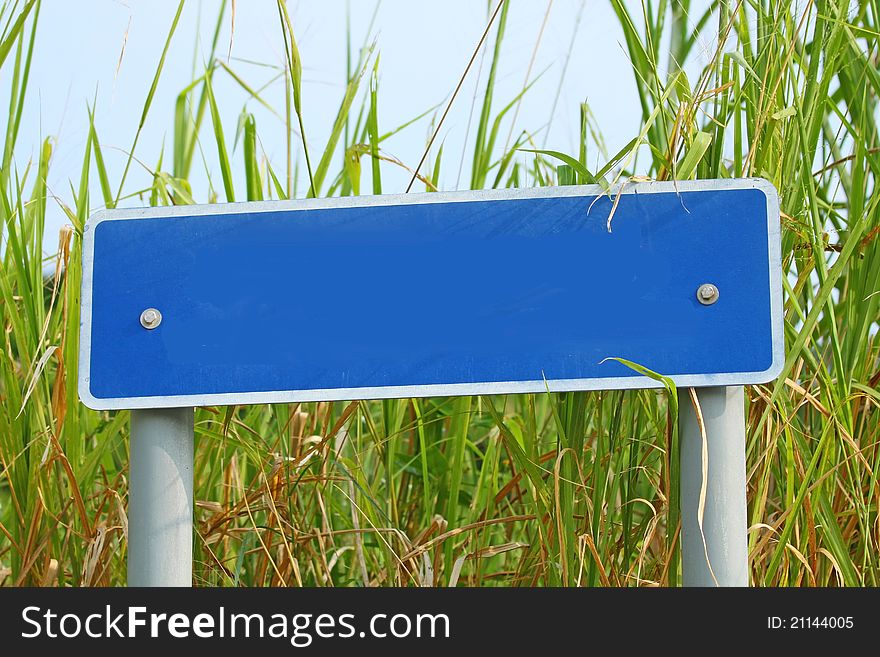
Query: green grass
[{"x": 574, "y": 489}]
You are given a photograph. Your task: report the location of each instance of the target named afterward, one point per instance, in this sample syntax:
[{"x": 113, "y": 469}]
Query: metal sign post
[
  {"x": 532, "y": 290},
  {"x": 160, "y": 507},
  {"x": 716, "y": 553}
]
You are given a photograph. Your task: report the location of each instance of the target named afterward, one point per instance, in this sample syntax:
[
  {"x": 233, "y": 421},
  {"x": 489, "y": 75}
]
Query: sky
[{"x": 107, "y": 51}]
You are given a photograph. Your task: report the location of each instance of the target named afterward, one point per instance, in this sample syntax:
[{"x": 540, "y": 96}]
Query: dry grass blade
[
  {"x": 35, "y": 377},
  {"x": 455, "y": 93}
]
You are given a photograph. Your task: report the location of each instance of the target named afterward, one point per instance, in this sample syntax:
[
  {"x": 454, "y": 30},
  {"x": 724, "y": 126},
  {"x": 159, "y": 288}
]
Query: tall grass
[{"x": 574, "y": 489}]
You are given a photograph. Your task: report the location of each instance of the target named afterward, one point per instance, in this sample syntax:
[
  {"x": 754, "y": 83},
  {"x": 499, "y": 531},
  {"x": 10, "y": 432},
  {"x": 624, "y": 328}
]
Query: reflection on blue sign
[{"x": 431, "y": 294}]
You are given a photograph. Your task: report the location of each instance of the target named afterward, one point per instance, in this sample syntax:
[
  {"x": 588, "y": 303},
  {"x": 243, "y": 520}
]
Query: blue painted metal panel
[{"x": 444, "y": 297}]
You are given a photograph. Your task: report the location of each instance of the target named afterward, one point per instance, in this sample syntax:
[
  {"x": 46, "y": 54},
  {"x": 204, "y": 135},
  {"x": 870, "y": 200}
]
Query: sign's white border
[{"x": 433, "y": 390}]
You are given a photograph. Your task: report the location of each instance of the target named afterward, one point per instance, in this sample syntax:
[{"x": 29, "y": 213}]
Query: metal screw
[
  {"x": 151, "y": 318},
  {"x": 707, "y": 294}
]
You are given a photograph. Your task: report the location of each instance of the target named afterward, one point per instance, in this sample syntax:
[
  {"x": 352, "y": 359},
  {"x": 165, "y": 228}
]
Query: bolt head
[
  {"x": 707, "y": 294},
  {"x": 151, "y": 318}
]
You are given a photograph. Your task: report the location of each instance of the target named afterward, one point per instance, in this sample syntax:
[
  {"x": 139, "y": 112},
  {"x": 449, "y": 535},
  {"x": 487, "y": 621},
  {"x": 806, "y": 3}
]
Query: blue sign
[{"x": 458, "y": 293}]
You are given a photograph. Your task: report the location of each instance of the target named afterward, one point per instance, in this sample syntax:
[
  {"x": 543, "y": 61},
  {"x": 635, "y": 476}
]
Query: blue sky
[{"x": 424, "y": 47}]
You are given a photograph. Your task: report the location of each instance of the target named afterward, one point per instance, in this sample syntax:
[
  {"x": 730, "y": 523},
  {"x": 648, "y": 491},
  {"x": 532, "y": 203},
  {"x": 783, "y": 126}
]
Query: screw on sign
[
  {"x": 707, "y": 294},
  {"x": 151, "y": 318},
  {"x": 569, "y": 303}
]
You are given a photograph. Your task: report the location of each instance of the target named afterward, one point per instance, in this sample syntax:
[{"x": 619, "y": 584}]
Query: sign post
[
  {"x": 530, "y": 290},
  {"x": 714, "y": 554},
  {"x": 160, "y": 507}
]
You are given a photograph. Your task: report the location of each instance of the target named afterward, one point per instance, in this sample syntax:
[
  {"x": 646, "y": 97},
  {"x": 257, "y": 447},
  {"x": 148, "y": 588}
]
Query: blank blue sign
[{"x": 431, "y": 294}]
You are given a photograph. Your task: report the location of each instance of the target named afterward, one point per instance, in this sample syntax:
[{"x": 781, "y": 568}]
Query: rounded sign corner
[{"x": 88, "y": 399}]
